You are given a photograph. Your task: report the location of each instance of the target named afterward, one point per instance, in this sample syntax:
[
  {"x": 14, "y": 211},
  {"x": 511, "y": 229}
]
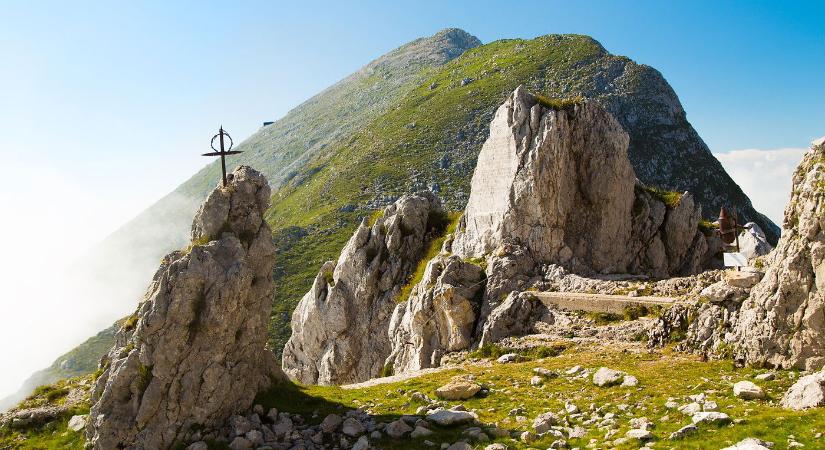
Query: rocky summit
[{"x": 193, "y": 352}]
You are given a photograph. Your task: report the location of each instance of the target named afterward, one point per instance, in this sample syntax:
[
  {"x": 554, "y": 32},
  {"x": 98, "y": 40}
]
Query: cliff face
[
  {"x": 782, "y": 324},
  {"x": 193, "y": 352},
  {"x": 559, "y": 182}
]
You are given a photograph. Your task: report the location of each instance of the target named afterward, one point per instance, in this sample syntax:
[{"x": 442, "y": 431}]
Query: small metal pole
[{"x": 223, "y": 159}]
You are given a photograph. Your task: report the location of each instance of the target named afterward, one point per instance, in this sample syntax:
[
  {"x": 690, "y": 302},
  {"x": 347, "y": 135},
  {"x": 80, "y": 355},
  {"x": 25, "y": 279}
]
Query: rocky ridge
[
  {"x": 194, "y": 352},
  {"x": 524, "y": 225}
]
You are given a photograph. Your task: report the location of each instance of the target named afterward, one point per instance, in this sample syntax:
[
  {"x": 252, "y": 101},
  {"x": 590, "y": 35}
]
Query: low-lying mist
[{"x": 56, "y": 293}]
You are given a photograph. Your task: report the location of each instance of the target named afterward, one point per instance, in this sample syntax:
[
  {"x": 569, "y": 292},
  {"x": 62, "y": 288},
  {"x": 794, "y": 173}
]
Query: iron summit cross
[{"x": 222, "y": 153}]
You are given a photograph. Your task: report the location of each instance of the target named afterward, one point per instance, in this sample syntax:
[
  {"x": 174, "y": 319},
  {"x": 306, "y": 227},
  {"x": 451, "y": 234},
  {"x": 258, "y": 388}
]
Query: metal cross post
[{"x": 222, "y": 152}]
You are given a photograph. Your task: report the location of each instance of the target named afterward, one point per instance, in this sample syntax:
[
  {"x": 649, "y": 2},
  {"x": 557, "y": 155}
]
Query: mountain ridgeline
[{"x": 415, "y": 119}]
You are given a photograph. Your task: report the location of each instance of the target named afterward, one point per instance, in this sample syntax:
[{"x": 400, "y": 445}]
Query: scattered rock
[
  {"x": 640, "y": 434},
  {"x": 397, "y": 429},
  {"x": 352, "y": 427},
  {"x": 712, "y": 417},
  {"x": 361, "y": 444},
  {"x": 77, "y": 423},
  {"x": 742, "y": 278},
  {"x": 807, "y": 392},
  {"x": 420, "y": 431},
  {"x": 200, "y": 445},
  {"x": 447, "y": 417},
  {"x": 682, "y": 432},
  {"x": 630, "y": 381},
  {"x": 458, "y": 389},
  {"x": 508, "y": 358},
  {"x": 750, "y": 444},
  {"x": 767, "y": 376},
  {"x": 747, "y": 390},
  {"x": 331, "y": 423},
  {"x": 240, "y": 443},
  {"x": 543, "y": 422},
  {"x": 607, "y": 377}
]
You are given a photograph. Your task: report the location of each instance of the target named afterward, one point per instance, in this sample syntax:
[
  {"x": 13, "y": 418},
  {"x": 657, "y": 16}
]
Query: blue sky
[{"x": 106, "y": 106}]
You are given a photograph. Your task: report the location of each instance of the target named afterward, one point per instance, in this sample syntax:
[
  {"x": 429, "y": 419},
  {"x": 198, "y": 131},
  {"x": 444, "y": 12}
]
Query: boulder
[
  {"x": 747, "y": 390},
  {"x": 330, "y": 423},
  {"x": 194, "y": 352},
  {"x": 640, "y": 434},
  {"x": 544, "y": 422},
  {"x": 807, "y": 392},
  {"x": 448, "y": 417},
  {"x": 78, "y": 422},
  {"x": 752, "y": 241},
  {"x": 438, "y": 317},
  {"x": 458, "y": 389},
  {"x": 341, "y": 326},
  {"x": 607, "y": 377},
  {"x": 782, "y": 324},
  {"x": 750, "y": 444},
  {"x": 515, "y": 316},
  {"x": 711, "y": 417},
  {"x": 722, "y": 291},
  {"x": 352, "y": 427},
  {"x": 744, "y": 279},
  {"x": 397, "y": 429}
]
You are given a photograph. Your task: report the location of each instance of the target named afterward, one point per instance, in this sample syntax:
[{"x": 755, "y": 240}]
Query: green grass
[
  {"x": 707, "y": 227},
  {"x": 560, "y": 104},
  {"x": 671, "y": 199},
  {"x": 661, "y": 375},
  {"x": 442, "y": 225},
  {"x": 53, "y": 435}
]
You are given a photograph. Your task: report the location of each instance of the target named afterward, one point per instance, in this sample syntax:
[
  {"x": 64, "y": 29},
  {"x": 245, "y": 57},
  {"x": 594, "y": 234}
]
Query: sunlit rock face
[
  {"x": 340, "y": 326},
  {"x": 193, "y": 353},
  {"x": 782, "y": 324}
]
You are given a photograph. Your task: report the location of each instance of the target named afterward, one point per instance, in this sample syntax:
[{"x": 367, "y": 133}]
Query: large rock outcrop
[
  {"x": 340, "y": 325},
  {"x": 555, "y": 186},
  {"x": 194, "y": 352},
  {"x": 559, "y": 182},
  {"x": 439, "y": 317},
  {"x": 782, "y": 324}
]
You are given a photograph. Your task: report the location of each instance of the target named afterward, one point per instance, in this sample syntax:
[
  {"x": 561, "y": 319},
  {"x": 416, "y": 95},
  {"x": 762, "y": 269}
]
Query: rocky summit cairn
[
  {"x": 340, "y": 325},
  {"x": 782, "y": 324},
  {"x": 193, "y": 353}
]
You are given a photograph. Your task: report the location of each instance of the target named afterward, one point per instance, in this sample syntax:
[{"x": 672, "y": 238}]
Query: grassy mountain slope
[{"x": 81, "y": 360}]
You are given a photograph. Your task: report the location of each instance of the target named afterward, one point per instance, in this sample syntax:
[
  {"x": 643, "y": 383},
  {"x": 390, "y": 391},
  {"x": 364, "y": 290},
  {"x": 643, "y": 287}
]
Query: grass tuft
[
  {"x": 671, "y": 199},
  {"x": 560, "y": 104},
  {"x": 441, "y": 225}
]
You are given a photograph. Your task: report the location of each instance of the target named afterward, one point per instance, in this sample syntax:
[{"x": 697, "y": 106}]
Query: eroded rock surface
[
  {"x": 782, "y": 324},
  {"x": 193, "y": 354},
  {"x": 439, "y": 316},
  {"x": 340, "y": 326},
  {"x": 559, "y": 183}
]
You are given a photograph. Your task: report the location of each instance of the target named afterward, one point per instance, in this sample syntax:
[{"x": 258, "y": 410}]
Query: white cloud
[{"x": 764, "y": 175}]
